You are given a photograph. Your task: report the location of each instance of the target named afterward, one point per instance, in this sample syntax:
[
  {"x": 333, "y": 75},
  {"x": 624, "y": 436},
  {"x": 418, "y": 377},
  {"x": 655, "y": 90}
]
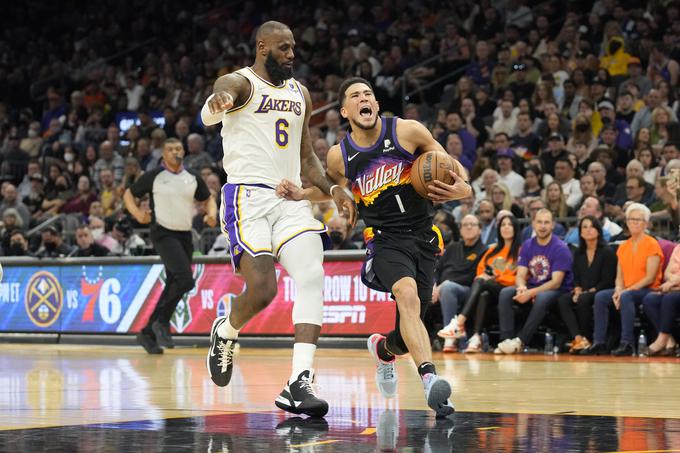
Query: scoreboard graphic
[{"x": 102, "y": 298}]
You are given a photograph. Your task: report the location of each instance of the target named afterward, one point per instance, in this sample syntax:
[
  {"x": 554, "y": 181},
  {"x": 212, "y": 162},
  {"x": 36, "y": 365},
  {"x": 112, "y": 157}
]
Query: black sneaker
[
  {"x": 220, "y": 359},
  {"x": 595, "y": 349},
  {"x": 149, "y": 344},
  {"x": 162, "y": 332},
  {"x": 624, "y": 350},
  {"x": 298, "y": 397},
  {"x": 300, "y": 430}
]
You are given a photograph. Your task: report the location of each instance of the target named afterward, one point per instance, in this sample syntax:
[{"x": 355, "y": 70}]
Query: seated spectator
[
  {"x": 564, "y": 175},
  {"x": 661, "y": 308},
  {"x": 338, "y": 231},
  {"x": 10, "y": 199},
  {"x": 507, "y": 120},
  {"x": 638, "y": 272},
  {"x": 592, "y": 207},
  {"x": 544, "y": 273},
  {"x": 454, "y": 274},
  {"x": 196, "y": 157},
  {"x": 634, "y": 169},
  {"x": 18, "y": 244},
  {"x": 53, "y": 245},
  {"x": 11, "y": 221},
  {"x": 533, "y": 183},
  {"x": 486, "y": 213},
  {"x": 108, "y": 195},
  {"x": 35, "y": 197},
  {"x": 111, "y": 160},
  {"x": 525, "y": 142},
  {"x": 648, "y": 161},
  {"x": 587, "y": 184},
  {"x": 556, "y": 202},
  {"x": 496, "y": 270},
  {"x": 465, "y": 207},
  {"x": 555, "y": 151},
  {"x": 482, "y": 185},
  {"x": 81, "y": 201},
  {"x": 532, "y": 207},
  {"x": 126, "y": 241},
  {"x": 594, "y": 270},
  {"x": 86, "y": 244},
  {"x": 501, "y": 199},
  {"x": 507, "y": 175},
  {"x": 56, "y": 198}
]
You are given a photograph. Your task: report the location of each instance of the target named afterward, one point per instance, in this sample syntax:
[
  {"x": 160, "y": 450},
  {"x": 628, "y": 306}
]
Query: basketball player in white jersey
[{"x": 265, "y": 133}]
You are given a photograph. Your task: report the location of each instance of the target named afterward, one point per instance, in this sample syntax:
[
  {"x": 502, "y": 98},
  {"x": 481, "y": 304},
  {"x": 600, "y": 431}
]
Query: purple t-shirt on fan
[{"x": 543, "y": 260}]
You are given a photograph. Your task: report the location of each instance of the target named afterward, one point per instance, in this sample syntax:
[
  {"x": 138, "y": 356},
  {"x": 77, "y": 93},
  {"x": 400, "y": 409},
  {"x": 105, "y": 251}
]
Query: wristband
[{"x": 333, "y": 187}]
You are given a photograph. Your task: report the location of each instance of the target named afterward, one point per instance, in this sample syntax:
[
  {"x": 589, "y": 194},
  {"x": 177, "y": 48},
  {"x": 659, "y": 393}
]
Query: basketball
[{"x": 429, "y": 167}]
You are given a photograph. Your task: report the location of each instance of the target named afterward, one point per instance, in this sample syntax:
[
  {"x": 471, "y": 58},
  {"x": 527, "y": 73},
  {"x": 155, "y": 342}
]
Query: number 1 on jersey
[
  {"x": 401, "y": 205},
  {"x": 281, "y": 133}
]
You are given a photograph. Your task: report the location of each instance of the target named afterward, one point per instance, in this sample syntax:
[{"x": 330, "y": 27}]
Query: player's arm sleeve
[
  {"x": 144, "y": 184},
  {"x": 202, "y": 192}
]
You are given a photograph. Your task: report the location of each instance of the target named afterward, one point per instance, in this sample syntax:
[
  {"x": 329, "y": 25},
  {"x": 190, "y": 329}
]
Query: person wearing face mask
[
  {"x": 98, "y": 233},
  {"x": 53, "y": 245},
  {"x": 338, "y": 231},
  {"x": 18, "y": 245}
]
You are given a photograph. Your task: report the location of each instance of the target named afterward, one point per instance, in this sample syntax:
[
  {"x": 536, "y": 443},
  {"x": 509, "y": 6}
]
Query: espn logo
[{"x": 340, "y": 314}]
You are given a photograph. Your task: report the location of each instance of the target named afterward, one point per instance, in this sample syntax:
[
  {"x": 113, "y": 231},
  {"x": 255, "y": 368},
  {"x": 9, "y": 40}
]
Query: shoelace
[
  {"x": 226, "y": 356},
  {"x": 386, "y": 370},
  {"x": 309, "y": 387}
]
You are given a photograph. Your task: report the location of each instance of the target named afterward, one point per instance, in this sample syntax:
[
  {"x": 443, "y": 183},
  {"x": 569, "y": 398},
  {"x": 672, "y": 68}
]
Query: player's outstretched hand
[
  {"x": 289, "y": 190},
  {"x": 220, "y": 102},
  {"x": 440, "y": 191},
  {"x": 346, "y": 206}
]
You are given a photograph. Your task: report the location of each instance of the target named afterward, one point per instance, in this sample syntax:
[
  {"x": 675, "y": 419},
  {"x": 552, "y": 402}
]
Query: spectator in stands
[
  {"x": 643, "y": 117},
  {"x": 53, "y": 245},
  {"x": 80, "y": 202},
  {"x": 479, "y": 70},
  {"x": 35, "y": 197},
  {"x": 482, "y": 185},
  {"x": 661, "y": 308},
  {"x": 532, "y": 207},
  {"x": 582, "y": 133},
  {"x": 594, "y": 270},
  {"x": 564, "y": 175},
  {"x": 486, "y": 212},
  {"x": 553, "y": 153},
  {"x": 108, "y": 194},
  {"x": 10, "y": 199},
  {"x": 533, "y": 183},
  {"x": 111, "y": 160},
  {"x": 11, "y": 221},
  {"x": 196, "y": 156},
  {"x": 624, "y": 139},
  {"x": 454, "y": 274},
  {"x": 86, "y": 246},
  {"x": 604, "y": 188},
  {"x": 638, "y": 272},
  {"x": 331, "y": 127},
  {"x": 126, "y": 241},
  {"x": 544, "y": 273},
  {"x": 496, "y": 269},
  {"x": 503, "y": 200},
  {"x": 525, "y": 142},
  {"x": 507, "y": 175},
  {"x": 506, "y": 122},
  {"x": 339, "y": 233},
  {"x": 648, "y": 161},
  {"x": 18, "y": 244},
  {"x": 556, "y": 202}
]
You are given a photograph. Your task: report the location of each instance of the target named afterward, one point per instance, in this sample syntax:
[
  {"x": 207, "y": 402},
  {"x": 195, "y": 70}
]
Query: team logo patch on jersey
[
  {"x": 44, "y": 299},
  {"x": 388, "y": 146}
]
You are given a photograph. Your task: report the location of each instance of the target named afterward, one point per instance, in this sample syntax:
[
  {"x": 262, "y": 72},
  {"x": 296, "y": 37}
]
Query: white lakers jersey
[{"x": 261, "y": 138}]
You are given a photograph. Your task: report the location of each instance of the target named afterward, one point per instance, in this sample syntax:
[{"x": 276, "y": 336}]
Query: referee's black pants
[{"x": 175, "y": 249}]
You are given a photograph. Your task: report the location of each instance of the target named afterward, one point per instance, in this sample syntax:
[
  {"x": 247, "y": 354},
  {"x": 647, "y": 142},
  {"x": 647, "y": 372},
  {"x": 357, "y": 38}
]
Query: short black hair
[
  {"x": 171, "y": 140},
  {"x": 348, "y": 83}
]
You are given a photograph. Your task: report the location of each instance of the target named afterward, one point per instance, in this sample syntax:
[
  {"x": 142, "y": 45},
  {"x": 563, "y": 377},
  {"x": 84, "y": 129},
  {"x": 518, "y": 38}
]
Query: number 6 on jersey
[{"x": 281, "y": 133}]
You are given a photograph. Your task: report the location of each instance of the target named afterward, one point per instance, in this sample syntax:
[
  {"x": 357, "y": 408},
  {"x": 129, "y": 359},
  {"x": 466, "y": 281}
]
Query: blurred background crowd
[{"x": 546, "y": 104}]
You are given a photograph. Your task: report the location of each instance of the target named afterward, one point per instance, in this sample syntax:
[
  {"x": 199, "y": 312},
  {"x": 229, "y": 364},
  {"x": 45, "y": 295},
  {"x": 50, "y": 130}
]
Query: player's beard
[
  {"x": 277, "y": 72},
  {"x": 361, "y": 126}
]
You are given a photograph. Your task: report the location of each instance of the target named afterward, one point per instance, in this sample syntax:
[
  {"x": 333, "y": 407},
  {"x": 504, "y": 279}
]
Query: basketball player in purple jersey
[
  {"x": 374, "y": 161},
  {"x": 265, "y": 129}
]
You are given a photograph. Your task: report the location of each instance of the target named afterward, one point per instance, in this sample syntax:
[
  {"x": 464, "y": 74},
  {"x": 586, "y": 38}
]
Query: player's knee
[
  {"x": 406, "y": 294},
  {"x": 312, "y": 277}
]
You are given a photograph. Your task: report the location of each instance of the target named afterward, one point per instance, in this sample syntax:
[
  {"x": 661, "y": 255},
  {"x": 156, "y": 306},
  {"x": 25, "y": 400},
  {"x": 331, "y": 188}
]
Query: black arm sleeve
[
  {"x": 202, "y": 191},
  {"x": 144, "y": 183}
]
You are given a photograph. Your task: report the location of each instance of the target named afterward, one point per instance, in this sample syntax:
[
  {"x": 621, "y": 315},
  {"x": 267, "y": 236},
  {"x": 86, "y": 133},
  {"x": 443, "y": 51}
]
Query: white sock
[
  {"x": 303, "y": 358},
  {"x": 225, "y": 330}
]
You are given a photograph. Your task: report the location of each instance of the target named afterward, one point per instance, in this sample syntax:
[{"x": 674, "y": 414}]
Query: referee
[{"x": 173, "y": 190}]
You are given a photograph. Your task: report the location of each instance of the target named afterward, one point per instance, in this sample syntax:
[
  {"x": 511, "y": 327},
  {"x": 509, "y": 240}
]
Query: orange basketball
[{"x": 432, "y": 166}]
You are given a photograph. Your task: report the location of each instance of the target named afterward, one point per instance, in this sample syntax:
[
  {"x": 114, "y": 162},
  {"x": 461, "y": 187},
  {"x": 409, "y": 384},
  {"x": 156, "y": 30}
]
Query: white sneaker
[
  {"x": 437, "y": 393},
  {"x": 510, "y": 346},
  {"x": 474, "y": 345},
  {"x": 452, "y": 330},
  {"x": 386, "y": 372}
]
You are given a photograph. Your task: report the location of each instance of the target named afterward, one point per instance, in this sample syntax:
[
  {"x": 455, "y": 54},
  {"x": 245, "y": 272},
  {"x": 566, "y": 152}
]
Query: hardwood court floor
[{"x": 92, "y": 398}]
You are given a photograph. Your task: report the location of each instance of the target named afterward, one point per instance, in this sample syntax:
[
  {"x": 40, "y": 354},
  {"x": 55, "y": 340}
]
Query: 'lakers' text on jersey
[
  {"x": 381, "y": 182},
  {"x": 261, "y": 138}
]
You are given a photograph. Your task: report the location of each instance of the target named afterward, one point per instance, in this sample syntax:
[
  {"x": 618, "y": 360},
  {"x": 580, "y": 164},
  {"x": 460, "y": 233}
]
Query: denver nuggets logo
[{"x": 44, "y": 299}]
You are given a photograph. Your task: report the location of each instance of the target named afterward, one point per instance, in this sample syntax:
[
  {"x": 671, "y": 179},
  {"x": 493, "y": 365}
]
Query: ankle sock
[
  {"x": 426, "y": 368},
  {"x": 303, "y": 359},
  {"x": 226, "y": 330}
]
